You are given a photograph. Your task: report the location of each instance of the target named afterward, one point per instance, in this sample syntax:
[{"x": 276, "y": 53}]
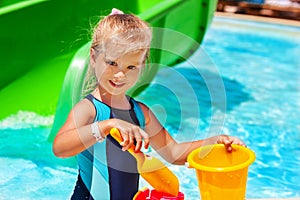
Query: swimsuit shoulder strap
[
  {"x": 102, "y": 110},
  {"x": 139, "y": 113}
]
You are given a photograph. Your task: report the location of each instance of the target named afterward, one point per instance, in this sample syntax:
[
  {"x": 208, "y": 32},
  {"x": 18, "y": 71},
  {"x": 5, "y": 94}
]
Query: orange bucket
[{"x": 221, "y": 175}]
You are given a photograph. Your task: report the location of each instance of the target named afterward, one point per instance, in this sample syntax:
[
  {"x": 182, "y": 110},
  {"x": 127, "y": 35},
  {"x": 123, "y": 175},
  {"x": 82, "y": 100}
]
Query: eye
[
  {"x": 131, "y": 67},
  {"x": 112, "y": 63}
]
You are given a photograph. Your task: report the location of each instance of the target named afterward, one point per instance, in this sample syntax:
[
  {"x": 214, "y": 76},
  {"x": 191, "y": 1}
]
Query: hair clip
[{"x": 115, "y": 11}]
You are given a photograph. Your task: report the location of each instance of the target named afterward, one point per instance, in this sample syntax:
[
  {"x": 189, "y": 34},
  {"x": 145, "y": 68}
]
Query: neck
[{"x": 119, "y": 101}]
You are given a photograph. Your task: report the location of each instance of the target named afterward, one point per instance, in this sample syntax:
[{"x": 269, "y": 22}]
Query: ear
[{"x": 93, "y": 56}]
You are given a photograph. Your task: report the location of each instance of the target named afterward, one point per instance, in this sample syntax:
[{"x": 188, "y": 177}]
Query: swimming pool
[{"x": 259, "y": 67}]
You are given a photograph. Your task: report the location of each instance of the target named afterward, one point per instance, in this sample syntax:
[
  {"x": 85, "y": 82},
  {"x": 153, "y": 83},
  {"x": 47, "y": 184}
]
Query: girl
[{"x": 119, "y": 50}]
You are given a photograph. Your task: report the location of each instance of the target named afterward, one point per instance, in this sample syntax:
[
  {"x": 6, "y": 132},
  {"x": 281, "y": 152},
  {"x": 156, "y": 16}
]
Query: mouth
[{"x": 116, "y": 84}]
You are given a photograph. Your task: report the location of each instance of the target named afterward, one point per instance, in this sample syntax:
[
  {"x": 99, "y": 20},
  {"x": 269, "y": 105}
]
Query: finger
[
  {"x": 139, "y": 142},
  {"x": 129, "y": 141},
  {"x": 229, "y": 148},
  {"x": 139, "y": 138},
  {"x": 125, "y": 137},
  {"x": 238, "y": 142},
  {"x": 146, "y": 143},
  {"x": 227, "y": 141},
  {"x": 241, "y": 143},
  {"x": 146, "y": 139}
]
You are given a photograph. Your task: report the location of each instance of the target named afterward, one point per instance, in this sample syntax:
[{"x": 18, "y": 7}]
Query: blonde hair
[{"x": 123, "y": 32}]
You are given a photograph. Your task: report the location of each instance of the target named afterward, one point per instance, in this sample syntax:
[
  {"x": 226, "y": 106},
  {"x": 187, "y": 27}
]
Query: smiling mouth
[{"x": 116, "y": 85}]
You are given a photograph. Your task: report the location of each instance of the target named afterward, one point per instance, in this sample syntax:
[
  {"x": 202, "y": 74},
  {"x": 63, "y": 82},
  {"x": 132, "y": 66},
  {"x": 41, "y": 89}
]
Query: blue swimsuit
[{"x": 105, "y": 171}]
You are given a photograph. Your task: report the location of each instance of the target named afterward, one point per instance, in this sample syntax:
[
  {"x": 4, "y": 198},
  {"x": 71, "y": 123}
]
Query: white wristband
[{"x": 96, "y": 132}]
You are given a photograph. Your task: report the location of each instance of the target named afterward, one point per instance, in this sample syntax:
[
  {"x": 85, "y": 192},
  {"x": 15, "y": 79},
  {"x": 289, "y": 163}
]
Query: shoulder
[
  {"x": 143, "y": 106},
  {"x": 83, "y": 104},
  {"x": 84, "y": 111},
  {"x": 146, "y": 111},
  {"x": 152, "y": 124}
]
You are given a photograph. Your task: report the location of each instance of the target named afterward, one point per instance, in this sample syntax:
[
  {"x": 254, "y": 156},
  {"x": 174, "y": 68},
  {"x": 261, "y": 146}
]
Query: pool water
[
  {"x": 264, "y": 58},
  {"x": 249, "y": 88}
]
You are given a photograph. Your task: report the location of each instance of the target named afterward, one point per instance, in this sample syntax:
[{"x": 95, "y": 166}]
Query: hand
[
  {"x": 131, "y": 133},
  {"x": 228, "y": 141}
]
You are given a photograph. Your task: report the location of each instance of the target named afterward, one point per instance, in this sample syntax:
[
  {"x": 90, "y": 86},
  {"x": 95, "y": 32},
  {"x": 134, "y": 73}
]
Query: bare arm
[
  {"x": 76, "y": 134},
  {"x": 172, "y": 151}
]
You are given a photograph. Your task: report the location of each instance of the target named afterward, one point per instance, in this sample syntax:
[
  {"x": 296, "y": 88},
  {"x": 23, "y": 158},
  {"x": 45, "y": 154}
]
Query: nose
[{"x": 120, "y": 74}]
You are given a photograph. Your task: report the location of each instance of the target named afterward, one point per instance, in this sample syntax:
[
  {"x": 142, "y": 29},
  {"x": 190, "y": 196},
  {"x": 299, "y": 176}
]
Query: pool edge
[{"x": 260, "y": 19}]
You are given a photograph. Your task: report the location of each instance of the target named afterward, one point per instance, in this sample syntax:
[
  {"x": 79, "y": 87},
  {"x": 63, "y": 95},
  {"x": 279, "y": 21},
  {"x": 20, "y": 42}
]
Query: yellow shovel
[{"x": 152, "y": 169}]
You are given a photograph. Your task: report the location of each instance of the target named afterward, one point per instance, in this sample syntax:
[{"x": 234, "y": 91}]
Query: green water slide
[{"x": 44, "y": 46}]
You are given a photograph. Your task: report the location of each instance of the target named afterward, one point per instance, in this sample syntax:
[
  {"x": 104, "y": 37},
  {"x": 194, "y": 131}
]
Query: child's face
[{"x": 118, "y": 74}]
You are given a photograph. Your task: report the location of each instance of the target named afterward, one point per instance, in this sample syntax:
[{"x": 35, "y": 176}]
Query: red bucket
[{"x": 147, "y": 194}]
